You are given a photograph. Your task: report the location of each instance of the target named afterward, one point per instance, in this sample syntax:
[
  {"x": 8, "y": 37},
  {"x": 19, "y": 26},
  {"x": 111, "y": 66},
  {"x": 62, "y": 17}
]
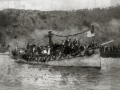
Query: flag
[{"x": 91, "y": 32}]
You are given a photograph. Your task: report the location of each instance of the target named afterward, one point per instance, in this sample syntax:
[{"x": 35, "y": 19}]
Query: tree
[
  {"x": 6, "y": 19},
  {"x": 86, "y": 23}
]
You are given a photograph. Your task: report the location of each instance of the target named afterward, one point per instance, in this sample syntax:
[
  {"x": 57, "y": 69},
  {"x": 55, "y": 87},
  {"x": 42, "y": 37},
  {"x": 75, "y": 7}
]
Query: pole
[
  {"x": 100, "y": 62},
  {"x": 107, "y": 42},
  {"x": 50, "y": 38}
]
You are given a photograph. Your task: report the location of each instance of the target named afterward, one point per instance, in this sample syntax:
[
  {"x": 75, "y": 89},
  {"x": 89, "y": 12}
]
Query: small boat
[{"x": 105, "y": 53}]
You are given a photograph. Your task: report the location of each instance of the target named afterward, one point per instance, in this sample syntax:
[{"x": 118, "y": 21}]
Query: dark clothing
[
  {"x": 111, "y": 49},
  {"x": 114, "y": 48},
  {"x": 106, "y": 49},
  {"x": 66, "y": 43},
  {"x": 27, "y": 46},
  {"x": 70, "y": 44},
  {"x": 30, "y": 50},
  {"x": 96, "y": 44},
  {"x": 75, "y": 43},
  {"x": 93, "y": 45},
  {"x": 78, "y": 43},
  {"x": 118, "y": 47},
  {"x": 90, "y": 46},
  {"x": 39, "y": 50}
]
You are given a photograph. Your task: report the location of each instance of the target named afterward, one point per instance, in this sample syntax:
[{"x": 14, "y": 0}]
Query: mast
[{"x": 50, "y": 35}]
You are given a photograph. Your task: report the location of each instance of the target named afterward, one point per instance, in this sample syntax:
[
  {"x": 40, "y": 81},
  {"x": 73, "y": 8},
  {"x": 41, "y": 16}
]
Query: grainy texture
[
  {"x": 14, "y": 76},
  {"x": 29, "y": 25}
]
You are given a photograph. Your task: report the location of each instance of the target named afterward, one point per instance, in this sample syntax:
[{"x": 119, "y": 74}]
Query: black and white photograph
[{"x": 59, "y": 44}]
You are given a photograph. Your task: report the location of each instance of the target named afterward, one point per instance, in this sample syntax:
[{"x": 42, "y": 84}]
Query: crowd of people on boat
[
  {"x": 62, "y": 49},
  {"x": 109, "y": 48}
]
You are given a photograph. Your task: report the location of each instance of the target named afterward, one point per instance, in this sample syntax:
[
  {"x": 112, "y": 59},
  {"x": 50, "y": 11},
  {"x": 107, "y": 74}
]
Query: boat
[
  {"x": 91, "y": 59},
  {"x": 107, "y": 53}
]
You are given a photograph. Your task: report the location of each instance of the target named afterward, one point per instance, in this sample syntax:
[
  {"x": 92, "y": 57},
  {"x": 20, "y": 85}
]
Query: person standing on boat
[
  {"x": 30, "y": 50},
  {"x": 110, "y": 48},
  {"x": 118, "y": 47},
  {"x": 16, "y": 48},
  {"x": 93, "y": 44},
  {"x": 79, "y": 42},
  {"x": 28, "y": 45},
  {"x": 33, "y": 48},
  {"x": 44, "y": 53},
  {"x": 48, "y": 50},
  {"x": 67, "y": 41},
  {"x": 114, "y": 47},
  {"x": 63, "y": 43},
  {"x": 36, "y": 55},
  {"x": 106, "y": 48},
  {"x": 75, "y": 42},
  {"x": 39, "y": 49},
  {"x": 9, "y": 49},
  {"x": 70, "y": 43},
  {"x": 90, "y": 45}
]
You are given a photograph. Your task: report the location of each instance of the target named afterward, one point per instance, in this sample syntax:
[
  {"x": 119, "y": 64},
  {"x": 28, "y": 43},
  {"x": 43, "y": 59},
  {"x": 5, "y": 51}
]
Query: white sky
[{"x": 47, "y": 5}]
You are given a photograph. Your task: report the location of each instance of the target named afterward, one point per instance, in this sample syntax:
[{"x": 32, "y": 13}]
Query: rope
[{"x": 70, "y": 35}]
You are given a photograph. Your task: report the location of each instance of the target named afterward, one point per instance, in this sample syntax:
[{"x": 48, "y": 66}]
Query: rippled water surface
[{"x": 15, "y": 76}]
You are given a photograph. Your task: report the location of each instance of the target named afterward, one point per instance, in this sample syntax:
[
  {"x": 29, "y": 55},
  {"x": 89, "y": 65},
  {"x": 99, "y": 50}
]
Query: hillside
[{"x": 27, "y": 25}]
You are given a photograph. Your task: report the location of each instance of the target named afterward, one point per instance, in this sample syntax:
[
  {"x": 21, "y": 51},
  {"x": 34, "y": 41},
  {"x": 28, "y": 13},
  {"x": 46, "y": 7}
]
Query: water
[{"x": 14, "y": 76}]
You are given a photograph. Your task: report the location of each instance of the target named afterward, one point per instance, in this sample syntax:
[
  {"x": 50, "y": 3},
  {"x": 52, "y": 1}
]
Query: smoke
[
  {"x": 114, "y": 24},
  {"x": 108, "y": 31},
  {"x": 39, "y": 36},
  {"x": 114, "y": 30}
]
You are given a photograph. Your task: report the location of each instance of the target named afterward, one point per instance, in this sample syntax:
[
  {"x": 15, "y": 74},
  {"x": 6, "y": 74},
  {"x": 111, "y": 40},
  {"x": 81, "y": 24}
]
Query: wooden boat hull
[
  {"x": 81, "y": 61},
  {"x": 85, "y": 61},
  {"x": 92, "y": 61}
]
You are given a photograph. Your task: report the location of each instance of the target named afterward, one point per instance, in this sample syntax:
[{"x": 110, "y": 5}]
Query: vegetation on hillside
[{"x": 28, "y": 25}]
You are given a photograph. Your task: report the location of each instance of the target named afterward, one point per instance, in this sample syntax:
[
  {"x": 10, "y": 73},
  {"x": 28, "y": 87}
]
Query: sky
[{"x": 49, "y": 5}]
